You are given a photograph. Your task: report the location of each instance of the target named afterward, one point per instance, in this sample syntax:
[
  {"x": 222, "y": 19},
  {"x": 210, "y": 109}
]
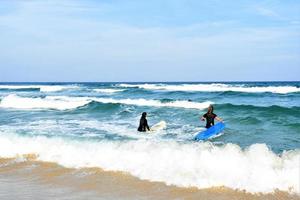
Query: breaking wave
[
  {"x": 201, "y": 165},
  {"x": 215, "y": 88},
  {"x": 42, "y": 88},
  {"x": 65, "y": 102},
  {"x": 108, "y": 90}
]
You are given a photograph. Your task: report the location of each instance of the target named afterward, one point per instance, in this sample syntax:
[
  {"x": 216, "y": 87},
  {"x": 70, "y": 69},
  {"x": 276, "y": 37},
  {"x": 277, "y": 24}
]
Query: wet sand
[{"x": 31, "y": 179}]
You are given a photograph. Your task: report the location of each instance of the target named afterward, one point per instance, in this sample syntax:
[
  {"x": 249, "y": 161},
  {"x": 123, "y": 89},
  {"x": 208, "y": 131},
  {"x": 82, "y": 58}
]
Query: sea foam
[
  {"x": 108, "y": 90},
  {"x": 156, "y": 103},
  {"x": 201, "y": 165},
  {"x": 215, "y": 88},
  {"x": 65, "y": 102},
  {"x": 17, "y": 102},
  {"x": 42, "y": 88}
]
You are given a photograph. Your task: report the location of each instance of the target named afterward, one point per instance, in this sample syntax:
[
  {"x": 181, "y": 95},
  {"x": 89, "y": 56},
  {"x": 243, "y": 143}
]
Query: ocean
[{"x": 80, "y": 141}]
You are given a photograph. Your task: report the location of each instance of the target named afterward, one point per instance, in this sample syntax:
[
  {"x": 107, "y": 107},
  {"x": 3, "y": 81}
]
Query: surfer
[
  {"x": 143, "y": 127},
  {"x": 210, "y": 117}
]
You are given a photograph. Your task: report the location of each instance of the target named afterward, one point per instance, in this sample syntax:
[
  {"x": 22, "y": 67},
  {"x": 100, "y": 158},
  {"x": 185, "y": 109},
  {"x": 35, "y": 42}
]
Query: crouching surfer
[
  {"x": 143, "y": 127},
  {"x": 210, "y": 117}
]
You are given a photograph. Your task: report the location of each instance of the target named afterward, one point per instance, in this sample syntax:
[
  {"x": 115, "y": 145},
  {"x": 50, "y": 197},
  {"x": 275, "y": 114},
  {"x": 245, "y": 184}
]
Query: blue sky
[{"x": 159, "y": 40}]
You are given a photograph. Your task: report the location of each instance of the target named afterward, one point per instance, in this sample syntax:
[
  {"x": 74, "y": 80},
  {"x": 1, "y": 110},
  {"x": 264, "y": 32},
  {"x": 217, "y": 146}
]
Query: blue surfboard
[{"x": 212, "y": 131}]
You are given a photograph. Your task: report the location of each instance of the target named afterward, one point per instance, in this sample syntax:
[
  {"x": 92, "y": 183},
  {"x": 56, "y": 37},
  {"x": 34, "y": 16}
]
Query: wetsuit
[
  {"x": 143, "y": 127},
  {"x": 210, "y": 119}
]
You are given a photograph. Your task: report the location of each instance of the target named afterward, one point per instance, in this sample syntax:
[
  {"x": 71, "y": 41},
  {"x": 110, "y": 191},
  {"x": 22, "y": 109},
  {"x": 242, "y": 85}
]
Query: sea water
[{"x": 82, "y": 125}]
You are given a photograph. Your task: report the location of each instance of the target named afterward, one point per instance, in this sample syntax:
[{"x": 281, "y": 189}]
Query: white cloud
[{"x": 267, "y": 12}]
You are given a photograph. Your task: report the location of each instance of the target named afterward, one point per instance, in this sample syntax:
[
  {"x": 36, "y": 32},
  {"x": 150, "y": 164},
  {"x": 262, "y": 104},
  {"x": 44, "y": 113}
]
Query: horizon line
[{"x": 145, "y": 81}]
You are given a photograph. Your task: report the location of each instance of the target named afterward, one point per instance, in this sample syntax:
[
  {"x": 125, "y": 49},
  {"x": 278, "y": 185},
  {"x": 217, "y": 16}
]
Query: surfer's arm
[
  {"x": 203, "y": 117},
  {"x": 147, "y": 126},
  {"x": 219, "y": 119}
]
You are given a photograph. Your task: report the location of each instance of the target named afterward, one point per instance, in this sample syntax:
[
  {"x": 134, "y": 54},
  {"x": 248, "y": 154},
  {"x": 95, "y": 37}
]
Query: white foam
[
  {"x": 215, "y": 88},
  {"x": 65, "y": 102},
  {"x": 78, "y": 128},
  {"x": 14, "y": 87},
  {"x": 156, "y": 103},
  {"x": 55, "y": 88},
  {"x": 42, "y": 88},
  {"x": 107, "y": 90},
  {"x": 59, "y": 103},
  {"x": 129, "y": 85},
  {"x": 201, "y": 165}
]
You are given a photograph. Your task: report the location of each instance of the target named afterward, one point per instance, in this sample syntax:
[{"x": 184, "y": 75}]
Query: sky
[{"x": 157, "y": 40}]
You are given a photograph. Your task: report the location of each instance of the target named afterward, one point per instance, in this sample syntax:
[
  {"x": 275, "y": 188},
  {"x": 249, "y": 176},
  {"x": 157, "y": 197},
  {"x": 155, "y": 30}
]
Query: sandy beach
[{"x": 30, "y": 179}]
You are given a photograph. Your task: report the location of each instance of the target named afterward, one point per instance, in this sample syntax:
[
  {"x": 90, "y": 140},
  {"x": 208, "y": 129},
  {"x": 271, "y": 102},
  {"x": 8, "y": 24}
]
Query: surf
[
  {"x": 42, "y": 88},
  {"x": 203, "y": 165},
  {"x": 58, "y": 103},
  {"x": 215, "y": 87},
  {"x": 108, "y": 90},
  {"x": 66, "y": 102}
]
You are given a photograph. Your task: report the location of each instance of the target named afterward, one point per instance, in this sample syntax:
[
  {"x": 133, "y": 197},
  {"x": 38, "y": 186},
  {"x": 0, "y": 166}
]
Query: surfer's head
[
  {"x": 144, "y": 114},
  {"x": 210, "y": 109}
]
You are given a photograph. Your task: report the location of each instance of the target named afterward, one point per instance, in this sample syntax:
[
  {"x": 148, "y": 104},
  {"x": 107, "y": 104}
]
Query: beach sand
[{"x": 30, "y": 179}]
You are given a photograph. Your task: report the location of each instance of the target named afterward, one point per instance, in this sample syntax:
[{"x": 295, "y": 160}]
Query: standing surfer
[
  {"x": 210, "y": 117},
  {"x": 143, "y": 127}
]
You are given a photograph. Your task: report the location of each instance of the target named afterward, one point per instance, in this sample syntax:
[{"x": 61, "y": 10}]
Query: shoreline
[{"x": 49, "y": 180}]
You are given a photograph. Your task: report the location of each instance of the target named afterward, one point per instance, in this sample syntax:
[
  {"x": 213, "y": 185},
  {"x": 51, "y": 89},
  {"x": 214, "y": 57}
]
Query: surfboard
[
  {"x": 210, "y": 132},
  {"x": 159, "y": 126}
]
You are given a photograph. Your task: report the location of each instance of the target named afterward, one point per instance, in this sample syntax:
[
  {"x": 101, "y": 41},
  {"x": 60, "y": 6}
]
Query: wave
[
  {"x": 42, "y": 88},
  {"x": 58, "y": 103},
  {"x": 214, "y": 88},
  {"x": 156, "y": 103},
  {"x": 65, "y": 102},
  {"x": 201, "y": 165},
  {"x": 108, "y": 90},
  {"x": 272, "y": 109}
]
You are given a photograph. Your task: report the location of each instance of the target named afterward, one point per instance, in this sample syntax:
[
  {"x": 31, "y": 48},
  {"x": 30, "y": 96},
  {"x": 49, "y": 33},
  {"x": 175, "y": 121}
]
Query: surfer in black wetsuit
[
  {"x": 143, "y": 127},
  {"x": 210, "y": 117}
]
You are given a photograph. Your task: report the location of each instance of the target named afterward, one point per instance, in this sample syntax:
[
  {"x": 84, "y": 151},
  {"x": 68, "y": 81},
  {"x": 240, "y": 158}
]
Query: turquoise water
[
  {"x": 255, "y": 117},
  {"x": 77, "y": 115}
]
